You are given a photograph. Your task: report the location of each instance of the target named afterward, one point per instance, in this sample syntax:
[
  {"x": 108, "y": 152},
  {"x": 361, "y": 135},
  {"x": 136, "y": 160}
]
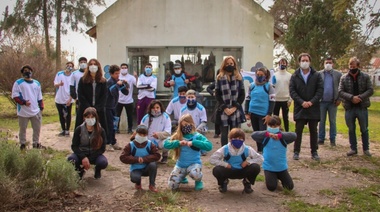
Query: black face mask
[
  {"x": 354, "y": 71},
  {"x": 27, "y": 74},
  {"x": 230, "y": 68}
]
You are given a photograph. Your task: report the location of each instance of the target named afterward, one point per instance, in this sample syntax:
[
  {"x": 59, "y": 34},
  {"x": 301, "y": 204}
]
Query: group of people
[{"x": 99, "y": 103}]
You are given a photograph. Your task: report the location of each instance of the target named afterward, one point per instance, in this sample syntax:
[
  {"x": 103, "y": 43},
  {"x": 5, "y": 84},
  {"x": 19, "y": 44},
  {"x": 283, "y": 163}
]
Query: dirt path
[{"x": 115, "y": 192}]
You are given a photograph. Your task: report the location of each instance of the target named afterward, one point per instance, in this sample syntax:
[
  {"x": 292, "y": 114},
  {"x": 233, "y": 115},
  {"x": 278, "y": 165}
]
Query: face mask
[
  {"x": 282, "y": 67},
  {"x": 354, "y": 71},
  {"x": 140, "y": 139},
  {"x": 178, "y": 71},
  {"x": 155, "y": 113},
  {"x": 69, "y": 68},
  {"x": 186, "y": 129},
  {"x": 191, "y": 101},
  {"x": 148, "y": 71},
  {"x": 328, "y": 67},
  {"x": 83, "y": 65},
  {"x": 90, "y": 121},
  {"x": 27, "y": 74},
  {"x": 273, "y": 130},
  {"x": 305, "y": 65},
  {"x": 124, "y": 71},
  {"x": 93, "y": 69},
  {"x": 229, "y": 68},
  {"x": 260, "y": 78},
  {"x": 237, "y": 143}
]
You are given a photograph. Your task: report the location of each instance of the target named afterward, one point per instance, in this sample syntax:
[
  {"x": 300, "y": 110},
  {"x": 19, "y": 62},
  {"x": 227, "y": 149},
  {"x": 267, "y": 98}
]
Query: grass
[{"x": 376, "y": 92}]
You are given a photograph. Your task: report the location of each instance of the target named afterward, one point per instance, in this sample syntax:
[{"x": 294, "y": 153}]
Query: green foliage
[{"x": 62, "y": 175}]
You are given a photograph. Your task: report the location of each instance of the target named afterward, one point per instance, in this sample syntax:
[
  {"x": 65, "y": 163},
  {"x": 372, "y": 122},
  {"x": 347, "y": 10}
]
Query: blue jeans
[
  {"x": 331, "y": 109},
  {"x": 362, "y": 115}
]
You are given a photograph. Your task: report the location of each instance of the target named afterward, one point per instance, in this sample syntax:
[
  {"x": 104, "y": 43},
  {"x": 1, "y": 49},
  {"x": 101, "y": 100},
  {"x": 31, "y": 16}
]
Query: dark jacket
[
  {"x": 336, "y": 78},
  {"x": 301, "y": 92},
  {"x": 85, "y": 95},
  {"x": 113, "y": 92},
  {"x": 346, "y": 90}
]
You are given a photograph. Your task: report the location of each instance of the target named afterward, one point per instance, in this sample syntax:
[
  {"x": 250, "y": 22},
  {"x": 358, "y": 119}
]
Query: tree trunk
[
  {"x": 58, "y": 35},
  {"x": 46, "y": 28}
]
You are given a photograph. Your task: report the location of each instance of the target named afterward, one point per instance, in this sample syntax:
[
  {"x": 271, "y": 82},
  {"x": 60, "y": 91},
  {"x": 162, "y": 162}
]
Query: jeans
[
  {"x": 362, "y": 115},
  {"x": 331, "y": 109}
]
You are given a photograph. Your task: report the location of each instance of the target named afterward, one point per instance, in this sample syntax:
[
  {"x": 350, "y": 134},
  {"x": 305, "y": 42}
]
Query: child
[
  {"x": 159, "y": 126},
  {"x": 187, "y": 144},
  {"x": 236, "y": 160},
  {"x": 274, "y": 151},
  {"x": 142, "y": 154}
]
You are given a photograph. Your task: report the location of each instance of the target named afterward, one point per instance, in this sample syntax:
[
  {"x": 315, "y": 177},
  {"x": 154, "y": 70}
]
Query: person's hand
[
  {"x": 141, "y": 160},
  {"x": 189, "y": 143},
  {"x": 289, "y": 103},
  {"x": 337, "y": 103},
  {"x": 120, "y": 82},
  {"x": 356, "y": 99},
  {"x": 227, "y": 111},
  {"x": 135, "y": 74},
  {"x": 233, "y": 109},
  {"x": 248, "y": 117},
  {"x": 274, "y": 136},
  {"x": 305, "y": 105},
  {"x": 244, "y": 164},
  {"x": 86, "y": 163},
  {"x": 68, "y": 103},
  {"x": 171, "y": 82},
  {"x": 61, "y": 83},
  {"x": 228, "y": 166},
  {"x": 183, "y": 143},
  {"x": 155, "y": 135},
  {"x": 266, "y": 119},
  {"x": 27, "y": 103},
  {"x": 186, "y": 81}
]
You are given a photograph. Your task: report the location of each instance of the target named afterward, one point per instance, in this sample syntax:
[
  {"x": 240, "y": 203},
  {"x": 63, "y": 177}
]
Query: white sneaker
[
  {"x": 110, "y": 148},
  {"x": 116, "y": 147}
]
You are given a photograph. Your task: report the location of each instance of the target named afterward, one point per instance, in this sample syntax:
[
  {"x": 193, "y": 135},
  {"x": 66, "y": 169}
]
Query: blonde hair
[
  {"x": 223, "y": 72},
  {"x": 178, "y": 135}
]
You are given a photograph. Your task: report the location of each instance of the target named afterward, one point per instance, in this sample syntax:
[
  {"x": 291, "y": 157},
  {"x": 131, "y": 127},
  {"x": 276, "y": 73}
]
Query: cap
[{"x": 177, "y": 65}]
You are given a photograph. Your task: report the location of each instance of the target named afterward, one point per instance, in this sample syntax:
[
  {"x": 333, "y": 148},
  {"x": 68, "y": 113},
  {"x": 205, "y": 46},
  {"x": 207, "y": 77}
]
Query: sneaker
[
  {"x": 138, "y": 187},
  {"x": 116, "y": 147},
  {"x": 117, "y": 131},
  {"x": 320, "y": 142},
  {"x": 152, "y": 188},
  {"x": 130, "y": 132},
  {"x": 98, "y": 173},
  {"x": 296, "y": 156},
  {"x": 38, "y": 146},
  {"x": 198, "y": 185},
  {"x": 110, "y": 148},
  {"x": 223, "y": 187},
  {"x": 184, "y": 181},
  {"x": 67, "y": 133},
  {"x": 315, "y": 156},
  {"x": 164, "y": 159},
  {"x": 367, "y": 153},
  {"x": 61, "y": 134},
  {"x": 22, "y": 147},
  {"x": 216, "y": 136},
  {"x": 332, "y": 143},
  {"x": 352, "y": 153},
  {"x": 247, "y": 187}
]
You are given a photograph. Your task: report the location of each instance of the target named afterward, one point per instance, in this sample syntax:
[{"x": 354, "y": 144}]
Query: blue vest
[
  {"x": 189, "y": 155},
  {"x": 259, "y": 103},
  {"x": 274, "y": 153},
  {"x": 139, "y": 152},
  {"x": 179, "y": 81},
  {"x": 235, "y": 160}
]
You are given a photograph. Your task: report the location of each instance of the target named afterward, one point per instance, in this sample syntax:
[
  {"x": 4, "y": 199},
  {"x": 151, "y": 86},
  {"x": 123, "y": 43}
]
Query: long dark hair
[
  {"x": 97, "y": 139},
  {"x": 150, "y": 107},
  {"x": 87, "y": 78}
]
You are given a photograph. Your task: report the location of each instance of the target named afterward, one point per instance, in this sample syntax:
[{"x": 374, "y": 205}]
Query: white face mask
[
  {"x": 93, "y": 69},
  {"x": 90, "y": 121},
  {"x": 305, "y": 65},
  {"x": 328, "y": 67},
  {"x": 83, "y": 65},
  {"x": 178, "y": 71},
  {"x": 140, "y": 139},
  {"x": 124, "y": 71}
]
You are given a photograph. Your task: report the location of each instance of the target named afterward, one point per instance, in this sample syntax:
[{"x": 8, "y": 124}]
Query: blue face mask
[
  {"x": 182, "y": 97},
  {"x": 260, "y": 78},
  {"x": 237, "y": 143},
  {"x": 191, "y": 101},
  {"x": 282, "y": 67},
  {"x": 148, "y": 71},
  {"x": 273, "y": 130}
]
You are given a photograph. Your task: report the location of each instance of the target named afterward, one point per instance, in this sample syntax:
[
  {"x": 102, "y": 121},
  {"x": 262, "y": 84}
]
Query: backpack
[
  {"x": 133, "y": 149},
  {"x": 266, "y": 87}
]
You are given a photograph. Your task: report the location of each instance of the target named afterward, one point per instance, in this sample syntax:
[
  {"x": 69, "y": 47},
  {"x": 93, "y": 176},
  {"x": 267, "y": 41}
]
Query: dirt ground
[{"x": 115, "y": 192}]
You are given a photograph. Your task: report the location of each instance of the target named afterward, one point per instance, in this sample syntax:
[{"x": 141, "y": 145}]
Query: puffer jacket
[{"x": 346, "y": 90}]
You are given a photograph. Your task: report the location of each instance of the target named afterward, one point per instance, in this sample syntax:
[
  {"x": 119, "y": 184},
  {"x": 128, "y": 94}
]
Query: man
[
  {"x": 27, "y": 93},
  {"x": 355, "y": 88},
  {"x": 283, "y": 100},
  {"x": 330, "y": 101},
  {"x": 75, "y": 80},
  {"x": 306, "y": 89},
  {"x": 175, "y": 106},
  {"x": 63, "y": 100},
  {"x": 126, "y": 101},
  {"x": 147, "y": 86},
  {"x": 178, "y": 79}
]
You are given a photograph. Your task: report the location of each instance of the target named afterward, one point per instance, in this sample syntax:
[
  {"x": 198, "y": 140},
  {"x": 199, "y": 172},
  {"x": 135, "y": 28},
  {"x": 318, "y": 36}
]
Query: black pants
[
  {"x": 110, "y": 113},
  {"x": 150, "y": 170},
  {"x": 250, "y": 172},
  {"x": 129, "y": 110},
  {"x": 217, "y": 128},
  {"x": 271, "y": 179},
  {"x": 300, "y": 124},
  {"x": 258, "y": 125},
  {"x": 285, "y": 112},
  {"x": 224, "y": 134},
  {"x": 64, "y": 113}
]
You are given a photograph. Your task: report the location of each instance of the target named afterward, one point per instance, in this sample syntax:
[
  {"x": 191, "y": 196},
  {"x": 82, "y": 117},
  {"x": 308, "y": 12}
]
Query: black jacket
[
  {"x": 85, "y": 93},
  {"x": 311, "y": 91}
]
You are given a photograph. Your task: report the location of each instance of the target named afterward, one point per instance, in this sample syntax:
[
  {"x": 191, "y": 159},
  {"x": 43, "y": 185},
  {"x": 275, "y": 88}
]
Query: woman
[
  {"x": 92, "y": 92},
  {"x": 89, "y": 144},
  {"x": 229, "y": 92}
]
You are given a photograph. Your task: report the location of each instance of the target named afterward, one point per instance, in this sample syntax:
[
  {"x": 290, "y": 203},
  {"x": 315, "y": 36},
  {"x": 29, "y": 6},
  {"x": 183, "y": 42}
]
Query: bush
[{"x": 62, "y": 175}]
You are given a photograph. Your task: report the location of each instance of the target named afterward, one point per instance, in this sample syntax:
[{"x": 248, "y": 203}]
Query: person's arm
[
  {"x": 319, "y": 92},
  {"x": 82, "y": 95},
  {"x": 202, "y": 143},
  {"x": 258, "y": 136},
  {"x": 254, "y": 157},
  {"x": 76, "y": 143},
  {"x": 100, "y": 102},
  {"x": 293, "y": 90},
  {"x": 211, "y": 88},
  {"x": 104, "y": 137},
  {"x": 369, "y": 92},
  {"x": 171, "y": 144},
  {"x": 126, "y": 156},
  {"x": 167, "y": 82},
  {"x": 73, "y": 92},
  {"x": 217, "y": 158},
  {"x": 272, "y": 99},
  {"x": 241, "y": 95},
  {"x": 288, "y": 137},
  {"x": 342, "y": 89},
  {"x": 191, "y": 78},
  {"x": 124, "y": 88},
  {"x": 154, "y": 155},
  {"x": 218, "y": 96}
]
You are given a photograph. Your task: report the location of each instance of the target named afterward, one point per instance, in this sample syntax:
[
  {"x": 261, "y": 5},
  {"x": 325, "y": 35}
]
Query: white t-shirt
[
  {"x": 198, "y": 113},
  {"x": 175, "y": 107},
  {"x": 147, "y": 80},
  {"x": 161, "y": 123},
  {"x": 75, "y": 79},
  {"x": 127, "y": 99},
  {"x": 63, "y": 92},
  {"x": 28, "y": 91}
]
